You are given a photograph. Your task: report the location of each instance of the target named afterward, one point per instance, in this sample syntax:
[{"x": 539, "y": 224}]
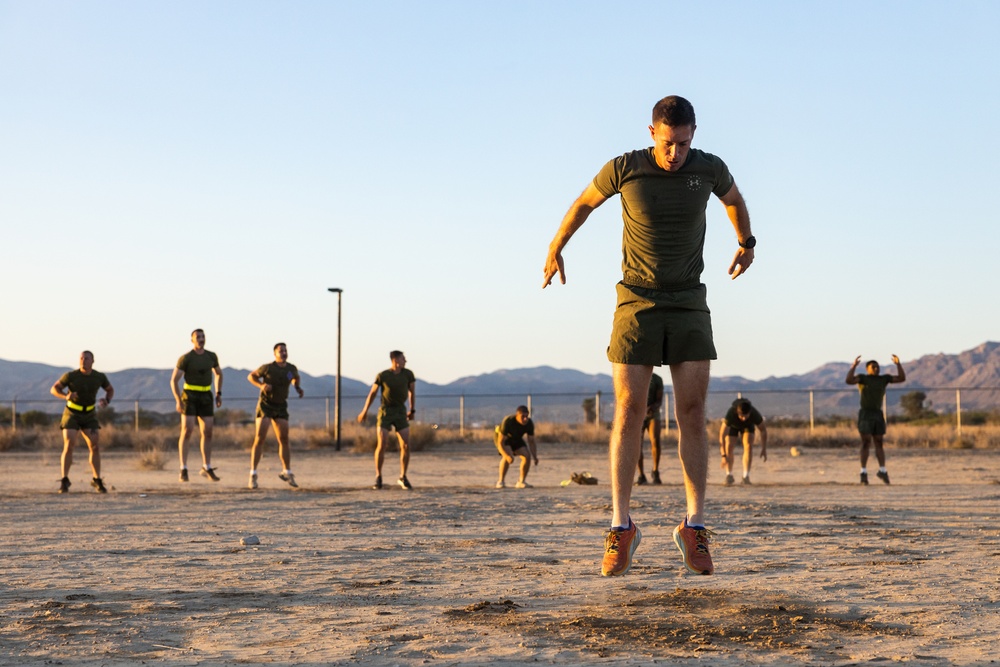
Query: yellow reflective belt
[
  {"x": 80, "y": 408},
  {"x": 195, "y": 387}
]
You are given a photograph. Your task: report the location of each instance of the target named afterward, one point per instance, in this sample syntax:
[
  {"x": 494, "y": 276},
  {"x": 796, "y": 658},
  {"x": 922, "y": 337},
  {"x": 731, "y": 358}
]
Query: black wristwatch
[{"x": 749, "y": 243}]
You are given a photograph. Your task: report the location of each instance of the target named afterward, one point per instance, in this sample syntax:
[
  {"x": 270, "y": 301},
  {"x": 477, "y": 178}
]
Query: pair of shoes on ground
[
  {"x": 654, "y": 478},
  {"x": 620, "y": 544},
  {"x": 519, "y": 485},
  {"x": 402, "y": 481},
  {"x": 204, "y": 472}
]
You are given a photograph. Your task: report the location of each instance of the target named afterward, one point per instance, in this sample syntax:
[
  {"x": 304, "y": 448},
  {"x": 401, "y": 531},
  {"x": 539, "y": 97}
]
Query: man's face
[
  {"x": 872, "y": 369},
  {"x": 198, "y": 338},
  {"x": 671, "y": 144},
  {"x": 398, "y": 362},
  {"x": 281, "y": 354},
  {"x": 742, "y": 416},
  {"x": 522, "y": 418},
  {"x": 86, "y": 361}
]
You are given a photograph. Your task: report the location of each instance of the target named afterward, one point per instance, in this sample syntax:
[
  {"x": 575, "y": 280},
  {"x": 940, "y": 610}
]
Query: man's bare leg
[
  {"x": 69, "y": 441},
  {"x": 690, "y": 381},
  {"x": 284, "y": 450},
  {"x": 92, "y": 438},
  {"x": 383, "y": 435},
  {"x": 631, "y": 384},
  {"x": 525, "y": 467},
  {"x": 748, "y": 439},
  {"x": 205, "y": 424},
  {"x": 260, "y": 436},
  {"x": 404, "y": 451},
  {"x": 187, "y": 430},
  {"x": 654, "y": 443}
]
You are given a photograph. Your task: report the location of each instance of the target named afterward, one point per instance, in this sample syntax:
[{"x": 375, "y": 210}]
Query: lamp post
[{"x": 336, "y": 406}]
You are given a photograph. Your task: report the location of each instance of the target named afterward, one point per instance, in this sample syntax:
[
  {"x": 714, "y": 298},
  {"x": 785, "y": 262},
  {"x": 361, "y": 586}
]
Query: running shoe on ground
[
  {"x": 523, "y": 485},
  {"x": 501, "y": 485},
  {"x": 209, "y": 473},
  {"x": 64, "y": 485},
  {"x": 288, "y": 477},
  {"x": 656, "y": 477},
  {"x": 746, "y": 480},
  {"x": 404, "y": 483},
  {"x": 884, "y": 476},
  {"x": 730, "y": 480},
  {"x": 619, "y": 545},
  {"x": 641, "y": 480},
  {"x": 864, "y": 478},
  {"x": 98, "y": 484},
  {"x": 694, "y": 548},
  {"x": 253, "y": 482},
  {"x": 184, "y": 475},
  {"x": 378, "y": 483}
]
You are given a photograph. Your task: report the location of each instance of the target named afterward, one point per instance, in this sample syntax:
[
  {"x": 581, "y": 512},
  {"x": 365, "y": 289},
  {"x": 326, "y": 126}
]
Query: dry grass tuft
[{"x": 151, "y": 458}]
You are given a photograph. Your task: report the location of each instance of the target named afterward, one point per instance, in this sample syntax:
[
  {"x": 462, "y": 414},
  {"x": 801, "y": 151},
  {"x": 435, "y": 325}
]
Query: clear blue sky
[{"x": 172, "y": 165}]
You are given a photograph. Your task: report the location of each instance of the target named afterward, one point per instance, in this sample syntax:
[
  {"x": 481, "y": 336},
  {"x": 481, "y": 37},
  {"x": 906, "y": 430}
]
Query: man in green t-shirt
[
  {"x": 740, "y": 424},
  {"x": 196, "y": 402},
  {"x": 79, "y": 389},
  {"x": 653, "y": 423},
  {"x": 273, "y": 380},
  {"x": 871, "y": 420},
  {"x": 662, "y": 316},
  {"x": 509, "y": 439},
  {"x": 398, "y": 386}
]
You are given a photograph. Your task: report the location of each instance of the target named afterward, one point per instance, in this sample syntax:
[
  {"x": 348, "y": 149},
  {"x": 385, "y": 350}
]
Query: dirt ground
[{"x": 811, "y": 567}]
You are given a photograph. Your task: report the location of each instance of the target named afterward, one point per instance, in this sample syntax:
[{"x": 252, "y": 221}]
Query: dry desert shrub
[
  {"x": 151, "y": 458},
  {"x": 364, "y": 440}
]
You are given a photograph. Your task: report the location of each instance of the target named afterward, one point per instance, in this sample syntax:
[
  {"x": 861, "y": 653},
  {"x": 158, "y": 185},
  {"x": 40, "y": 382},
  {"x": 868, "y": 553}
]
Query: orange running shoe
[
  {"x": 694, "y": 548},
  {"x": 619, "y": 545}
]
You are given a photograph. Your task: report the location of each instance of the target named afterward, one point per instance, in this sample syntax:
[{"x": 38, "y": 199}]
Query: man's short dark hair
[
  {"x": 522, "y": 409},
  {"x": 743, "y": 406},
  {"x": 197, "y": 331},
  {"x": 673, "y": 111},
  {"x": 395, "y": 354},
  {"x": 872, "y": 363},
  {"x": 277, "y": 345}
]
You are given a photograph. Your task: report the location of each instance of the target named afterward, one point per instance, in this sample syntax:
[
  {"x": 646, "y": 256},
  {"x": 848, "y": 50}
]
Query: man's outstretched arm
[
  {"x": 572, "y": 221},
  {"x": 736, "y": 209}
]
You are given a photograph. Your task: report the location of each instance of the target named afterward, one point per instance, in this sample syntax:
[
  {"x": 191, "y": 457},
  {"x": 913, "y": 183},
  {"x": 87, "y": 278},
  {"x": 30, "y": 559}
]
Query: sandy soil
[{"x": 811, "y": 567}]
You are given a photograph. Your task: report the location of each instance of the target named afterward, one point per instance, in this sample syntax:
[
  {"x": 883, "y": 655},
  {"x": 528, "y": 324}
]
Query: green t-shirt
[
  {"x": 872, "y": 388},
  {"x": 733, "y": 421},
  {"x": 86, "y": 386},
  {"x": 664, "y": 214},
  {"x": 511, "y": 428},
  {"x": 655, "y": 394},
  {"x": 198, "y": 367},
  {"x": 395, "y": 388},
  {"x": 280, "y": 378}
]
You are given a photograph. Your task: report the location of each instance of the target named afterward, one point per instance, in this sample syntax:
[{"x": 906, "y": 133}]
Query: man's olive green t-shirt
[
  {"x": 85, "y": 386},
  {"x": 280, "y": 378},
  {"x": 872, "y": 388},
  {"x": 733, "y": 419},
  {"x": 511, "y": 428},
  {"x": 395, "y": 387},
  {"x": 198, "y": 367},
  {"x": 664, "y": 214}
]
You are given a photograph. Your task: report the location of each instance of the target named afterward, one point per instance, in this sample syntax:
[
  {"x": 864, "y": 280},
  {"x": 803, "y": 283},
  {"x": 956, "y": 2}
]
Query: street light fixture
[{"x": 336, "y": 409}]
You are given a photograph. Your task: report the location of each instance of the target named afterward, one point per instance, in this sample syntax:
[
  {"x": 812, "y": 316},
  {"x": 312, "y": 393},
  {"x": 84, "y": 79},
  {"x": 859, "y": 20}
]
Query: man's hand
[
  {"x": 856, "y": 362},
  {"x": 301, "y": 392},
  {"x": 553, "y": 264},
  {"x": 763, "y": 453},
  {"x": 179, "y": 408},
  {"x": 895, "y": 359},
  {"x": 362, "y": 417},
  {"x": 741, "y": 262}
]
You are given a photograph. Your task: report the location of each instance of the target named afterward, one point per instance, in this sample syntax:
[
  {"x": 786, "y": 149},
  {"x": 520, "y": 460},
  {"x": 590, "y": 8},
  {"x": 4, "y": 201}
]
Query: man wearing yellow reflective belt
[
  {"x": 196, "y": 402},
  {"x": 79, "y": 389}
]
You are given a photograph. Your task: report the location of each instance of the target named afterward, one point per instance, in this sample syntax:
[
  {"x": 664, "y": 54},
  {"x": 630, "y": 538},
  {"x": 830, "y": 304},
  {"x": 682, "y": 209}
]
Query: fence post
[
  {"x": 136, "y": 415},
  {"x": 461, "y": 416},
  {"x": 529, "y": 404},
  {"x": 812, "y": 418},
  {"x": 958, "y": 410},
  {"x": 327, "y": 414},
  {"x": 13, "y": 415},
  {"x": 666, "y": 412},
  {"x": 598, "y": 406}
]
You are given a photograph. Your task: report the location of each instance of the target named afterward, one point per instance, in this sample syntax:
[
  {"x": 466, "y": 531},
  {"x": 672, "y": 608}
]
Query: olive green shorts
[
  {"x": 871, "y": 422},
  {"x": 272, "y": 410},
  {"x": 393, "y": 418},
  {"x": 73, "y": 420},
  {"x": 198, "y": 403},
  {"x": 654, "y": 327}
]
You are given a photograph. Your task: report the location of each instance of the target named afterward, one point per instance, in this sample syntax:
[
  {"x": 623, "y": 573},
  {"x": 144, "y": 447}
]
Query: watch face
[{"x": 749, "y": 243}]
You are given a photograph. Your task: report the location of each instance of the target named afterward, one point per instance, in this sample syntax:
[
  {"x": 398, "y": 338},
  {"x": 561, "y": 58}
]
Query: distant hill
[{"x": 556, "y": 393}]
